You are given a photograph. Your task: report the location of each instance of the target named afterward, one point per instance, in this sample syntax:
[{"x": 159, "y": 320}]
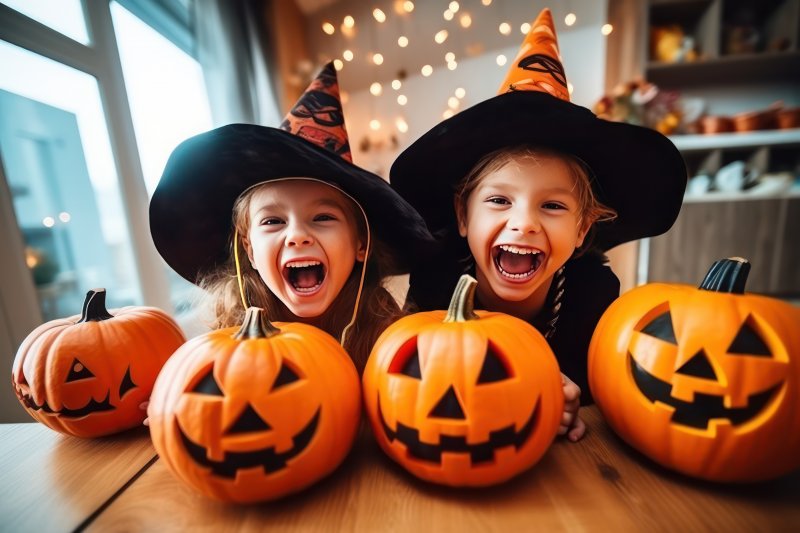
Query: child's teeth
[
  {"x": 517, "y": 250},
  {"x": 302, "y": 264}
]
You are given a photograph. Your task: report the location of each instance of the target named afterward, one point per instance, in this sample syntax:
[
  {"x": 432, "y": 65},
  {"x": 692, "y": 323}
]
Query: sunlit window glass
[{"x": 64, "y": 16}]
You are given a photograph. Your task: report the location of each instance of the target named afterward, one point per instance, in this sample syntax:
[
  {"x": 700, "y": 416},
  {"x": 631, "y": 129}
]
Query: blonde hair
[
  {"x": 591, "y": 209},
  {"x": 376, "y": 311}
]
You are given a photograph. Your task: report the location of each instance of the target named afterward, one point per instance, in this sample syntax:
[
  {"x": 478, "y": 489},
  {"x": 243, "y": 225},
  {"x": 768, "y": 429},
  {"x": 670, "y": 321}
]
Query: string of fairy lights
[{"x": 453, "y": 12}]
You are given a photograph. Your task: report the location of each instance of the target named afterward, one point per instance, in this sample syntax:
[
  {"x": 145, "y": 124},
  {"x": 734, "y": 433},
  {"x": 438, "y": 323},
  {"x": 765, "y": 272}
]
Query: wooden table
[{"x": 54, "y": 483}]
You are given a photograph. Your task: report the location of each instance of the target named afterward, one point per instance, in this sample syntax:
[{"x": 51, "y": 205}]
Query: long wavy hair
[{"x": 377, "y": 309}]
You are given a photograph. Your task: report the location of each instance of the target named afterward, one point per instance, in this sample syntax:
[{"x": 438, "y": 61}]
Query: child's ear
[
  {"x": 460, "y": 217},
  {"x": 361, "y": 253},
  {"x": 249, "y": 249},
  {"x": 582, "y": 231}
]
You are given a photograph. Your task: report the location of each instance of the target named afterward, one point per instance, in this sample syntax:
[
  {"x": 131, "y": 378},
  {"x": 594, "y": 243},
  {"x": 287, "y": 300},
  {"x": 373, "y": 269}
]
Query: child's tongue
[
  {"x": 515, "y": 263},
  {"x": 307, "y": 277}
]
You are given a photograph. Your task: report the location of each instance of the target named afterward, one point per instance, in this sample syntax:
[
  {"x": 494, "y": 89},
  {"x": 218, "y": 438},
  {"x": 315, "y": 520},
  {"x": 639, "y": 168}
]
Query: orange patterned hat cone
[
  {"x": 317, "y": 116},
  {"x": 537, "y": 66}
]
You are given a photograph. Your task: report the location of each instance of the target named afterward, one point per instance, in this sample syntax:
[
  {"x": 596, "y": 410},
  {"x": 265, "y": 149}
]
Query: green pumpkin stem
[
  {"x": 256, "y": 325},
  {"x": 727, "y": 275},
  {"x": 462, "y": 304},
  {"x": 94, "y": 307}
]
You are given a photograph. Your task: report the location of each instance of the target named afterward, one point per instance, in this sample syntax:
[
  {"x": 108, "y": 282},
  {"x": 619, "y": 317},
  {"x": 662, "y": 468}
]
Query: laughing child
[
  {"x": 282, "y": 219},
  {"x": 526, "y": 191}
]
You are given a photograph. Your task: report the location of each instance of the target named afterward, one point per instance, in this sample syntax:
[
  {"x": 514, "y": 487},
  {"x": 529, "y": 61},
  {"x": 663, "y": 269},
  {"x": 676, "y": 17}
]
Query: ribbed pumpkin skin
[
  {"x": 139, "y": 338},
  {"x": 765, "y": 446},
  {"x": 245, "y": 371},
  {"x": 452, "y": 355}
]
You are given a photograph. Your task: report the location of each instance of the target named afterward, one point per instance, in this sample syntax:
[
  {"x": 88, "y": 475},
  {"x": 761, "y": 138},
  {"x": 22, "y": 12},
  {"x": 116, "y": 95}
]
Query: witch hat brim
[
  {"x": 191, "y": 211},
  {"x": 637, "y": 171}
]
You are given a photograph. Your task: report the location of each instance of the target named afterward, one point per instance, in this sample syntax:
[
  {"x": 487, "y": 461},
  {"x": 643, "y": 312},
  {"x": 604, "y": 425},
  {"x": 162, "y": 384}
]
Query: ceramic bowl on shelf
[{"x": 710, "y": 124}]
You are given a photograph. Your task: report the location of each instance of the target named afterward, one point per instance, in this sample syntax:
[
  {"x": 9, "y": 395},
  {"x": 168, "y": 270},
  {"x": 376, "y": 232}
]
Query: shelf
[
  {"x": 752, "y": 139},
  {"x": 767, "y": 67}
]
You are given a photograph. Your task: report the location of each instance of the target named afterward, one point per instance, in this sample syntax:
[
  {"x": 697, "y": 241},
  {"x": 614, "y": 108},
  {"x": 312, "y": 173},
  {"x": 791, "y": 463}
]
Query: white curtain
[{"x": 230, "y": 47}]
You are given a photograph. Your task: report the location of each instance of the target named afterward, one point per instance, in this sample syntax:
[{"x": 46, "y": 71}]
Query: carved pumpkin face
[
  {"x": 86, "y": 375},
  {"x": 255, "y": 413},
  {"x": 460, "y": 398},
  {"x": 700, "y": 380}
]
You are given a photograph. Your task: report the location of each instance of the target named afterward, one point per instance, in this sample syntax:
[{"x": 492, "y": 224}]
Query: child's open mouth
[
  {"x": 517, "y": 263},
  {"x": 305, "y": 277}
]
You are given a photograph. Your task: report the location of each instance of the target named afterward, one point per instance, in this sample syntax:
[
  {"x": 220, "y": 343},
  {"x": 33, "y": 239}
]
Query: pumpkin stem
[
  {"x": 94, "y": 307},
  {"x": 256, "y": 325},
  {"x": 727, "y": 275},
  {"x": 462, "y": 304}
]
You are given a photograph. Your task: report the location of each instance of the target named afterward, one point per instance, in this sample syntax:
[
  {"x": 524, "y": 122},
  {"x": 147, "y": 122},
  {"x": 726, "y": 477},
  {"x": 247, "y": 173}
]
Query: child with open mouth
[
  {"x": 526, "y": 191},
  {"x": 280, "y": 218}
]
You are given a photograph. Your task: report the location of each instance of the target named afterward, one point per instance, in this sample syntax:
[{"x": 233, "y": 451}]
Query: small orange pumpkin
[
  {"x": 704, "y": 381},
  {"x": 255, "y": 413},
  {"x": 463, "y": 397},
  {"x": 86, "y": 375}
]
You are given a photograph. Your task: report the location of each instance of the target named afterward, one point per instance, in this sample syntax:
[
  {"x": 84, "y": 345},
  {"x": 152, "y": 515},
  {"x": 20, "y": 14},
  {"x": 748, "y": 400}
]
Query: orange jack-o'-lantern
[
  {"x": 704, "y": 381},
  {"x": 86, "y": 375},
  {"x": 255, "y": 413},
  {"x": 463, "y": 397}
]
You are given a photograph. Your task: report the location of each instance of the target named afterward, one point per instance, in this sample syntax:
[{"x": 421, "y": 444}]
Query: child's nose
[
  {"x": 524, "y": 222},
  {"x": 298, "y": 235}
]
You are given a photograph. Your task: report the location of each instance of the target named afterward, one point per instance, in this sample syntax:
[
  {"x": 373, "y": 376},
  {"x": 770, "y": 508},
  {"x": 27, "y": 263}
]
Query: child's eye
[
  {"x": 554, "y": 205},
  {"x": 324, "y": 218},
  {"x": 270, "y": 221},
  {"x": 498, "y": 200}
]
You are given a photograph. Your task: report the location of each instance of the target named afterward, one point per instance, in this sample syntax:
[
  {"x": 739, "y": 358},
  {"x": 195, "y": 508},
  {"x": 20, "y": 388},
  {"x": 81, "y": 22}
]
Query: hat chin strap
[{"x": 346, "y": 329}]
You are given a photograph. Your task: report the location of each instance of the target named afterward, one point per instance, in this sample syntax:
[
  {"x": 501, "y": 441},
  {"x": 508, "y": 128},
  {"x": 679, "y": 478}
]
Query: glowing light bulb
[
  {"x": 64, "y": 217},
  {"x": 402, "y": 41},
  {"x": 452, "y": 65},
  {"x": 48, "y": 222},
  {"x": 377, "y": 59},
  {"x": 570, "y": 19},
  {"x": 328, "y": 28},
  {"x": 338, "y": 64},
  {"x": 408, "y": 6},
  {"x": 441, "y": 36},
  {"x": 349, "y": 22},
  {"x": 448, "y": 15},
  {"x": 570, "y": 87},
  {"x": 454, "y": 7},
  {"x": 375, "y": 124},
  {"x": 379, "y": 15},
  {"x": 501, "y": 60},
  {"x": 460, "y": 93},
  {"x": 486, "y": 2},
  {"x": 427, "y": 70},
  {"x": 505, "y": 28},
  {"x": 448, "y": 113},
  {"x": 401, "y": 99},
  {"x": 524, "y": 28},
  {"x": 466, "y": 20},
  {"x": 376, "y": 89},
  {"x": 453, "y": 102},
  {"x": 449, "y": 56},
  {"x": 347, "y": 55},
  {"x": 401, "y": 124},
  {"x": 396, "y": 84},
  {"x": 606, "y": 29}
]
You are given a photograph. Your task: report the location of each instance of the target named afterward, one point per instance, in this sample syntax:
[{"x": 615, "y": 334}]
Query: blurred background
[{"x": 95, "y": 94}]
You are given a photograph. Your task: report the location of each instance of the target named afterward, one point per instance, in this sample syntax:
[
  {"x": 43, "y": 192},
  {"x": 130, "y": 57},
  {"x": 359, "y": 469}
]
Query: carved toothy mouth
[
  {"x": 479, "y": 453},
  {"x": 704, "y": 408},
  {"x": 92, "y": 407},
  {"x": 516, "y": 263},
  {"x": 267, "y": 458}
]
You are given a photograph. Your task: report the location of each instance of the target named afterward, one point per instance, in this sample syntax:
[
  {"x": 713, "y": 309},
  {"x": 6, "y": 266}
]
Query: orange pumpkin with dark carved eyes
[
  {"x": 255, "y": 413},
  {"x": 463, "y": 397},
  {"x": 86, "y": 375},
  {"x": 704, "y": 381}
]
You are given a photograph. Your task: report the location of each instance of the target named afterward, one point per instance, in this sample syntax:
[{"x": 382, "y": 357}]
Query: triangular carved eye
[
  {"x": 406, "y": 361},
  {"x": 493, "y": 367},
  {"x": 285, "y": 376},
  {"x": 78, "y": 371},
  {"x": 127, "y": 383},
  {"x": 208, "y": 385},
  {"x": 748, "y": 342},
  {"x": 661, "y": 328}
]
